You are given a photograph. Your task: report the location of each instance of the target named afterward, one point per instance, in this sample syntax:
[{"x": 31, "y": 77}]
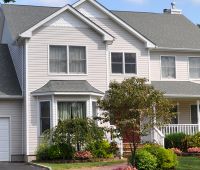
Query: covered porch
[{"x": 185, "y": 96}]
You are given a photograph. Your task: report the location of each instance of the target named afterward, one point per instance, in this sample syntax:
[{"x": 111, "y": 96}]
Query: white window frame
[
  {"x": 164, "y": 78},
  {"x": 123, "y": 63},
  {"x": 189, "y": 67},
  {"x": 39, "y": 115},
  {"x": 68, "y": 73}
]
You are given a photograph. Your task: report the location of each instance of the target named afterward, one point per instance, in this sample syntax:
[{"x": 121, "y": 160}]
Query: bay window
[
  {"x": 71, "y": 110},
  {"x": 44, "y": 116},
  {"x": 67, "y": 59},
  {"x": 194, "y": 67},
  {"x": 168, "y": 67}
]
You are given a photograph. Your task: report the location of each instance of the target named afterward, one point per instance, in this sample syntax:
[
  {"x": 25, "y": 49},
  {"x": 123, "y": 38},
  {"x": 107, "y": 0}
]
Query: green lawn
[
  {"x": 62, "y": 166},
  {"x": 189, "y": 163}
]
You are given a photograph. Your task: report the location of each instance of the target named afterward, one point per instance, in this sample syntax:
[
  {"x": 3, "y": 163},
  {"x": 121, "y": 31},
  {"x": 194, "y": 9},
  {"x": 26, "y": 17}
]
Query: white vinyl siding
[
  {"x": 168, "y": 66},
  {"x": 194, "y": 67}
]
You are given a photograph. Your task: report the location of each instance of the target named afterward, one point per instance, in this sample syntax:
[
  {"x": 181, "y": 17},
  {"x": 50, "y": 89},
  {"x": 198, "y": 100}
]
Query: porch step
[{"x": 127, "y": 149}]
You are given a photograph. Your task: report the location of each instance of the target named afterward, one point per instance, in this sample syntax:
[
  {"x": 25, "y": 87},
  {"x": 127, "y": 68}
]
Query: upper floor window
[
  {"x": 168, "y": 67},
  {"x": 194, "y": 67},
  {"x": 123, "y": 63},
  {"x": 67, "y": 59}
]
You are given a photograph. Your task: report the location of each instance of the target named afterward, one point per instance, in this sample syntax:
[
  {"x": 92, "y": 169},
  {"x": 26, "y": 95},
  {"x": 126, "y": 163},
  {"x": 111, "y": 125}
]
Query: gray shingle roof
[
  {"x": 164, "y": 30},
  {"x": 71, "y": 86},
  {"x": 178, "y": 88},
  {"x": 9, "y": 84}
]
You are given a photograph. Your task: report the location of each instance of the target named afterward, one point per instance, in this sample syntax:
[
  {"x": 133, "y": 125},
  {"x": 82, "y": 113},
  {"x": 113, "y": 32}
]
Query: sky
[{"x": 190, "y": 8}]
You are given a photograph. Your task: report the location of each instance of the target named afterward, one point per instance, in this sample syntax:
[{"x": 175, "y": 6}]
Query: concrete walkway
[{"x": 18, "y": 166}]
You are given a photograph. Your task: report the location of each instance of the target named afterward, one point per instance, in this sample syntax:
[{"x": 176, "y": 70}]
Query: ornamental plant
[
  {"x": 177, "y": 151},
  {"x": 194, "y": 150},
  {"x": 83, "y": 155}
]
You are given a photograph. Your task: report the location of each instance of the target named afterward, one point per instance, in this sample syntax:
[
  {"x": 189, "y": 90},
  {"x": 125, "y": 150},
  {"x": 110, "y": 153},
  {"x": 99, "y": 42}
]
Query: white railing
[
  {"x": 158, "y": 137},
  {"x": 189, "y": 129}
]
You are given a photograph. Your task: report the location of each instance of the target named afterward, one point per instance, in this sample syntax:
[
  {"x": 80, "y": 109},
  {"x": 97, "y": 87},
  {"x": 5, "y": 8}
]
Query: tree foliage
[
  {"x": 7, "y": 1},
  {"x": 135, "y": 107}
]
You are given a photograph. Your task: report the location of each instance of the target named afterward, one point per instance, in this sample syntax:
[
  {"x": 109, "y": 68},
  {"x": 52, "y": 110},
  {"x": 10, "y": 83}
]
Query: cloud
[{"x": 196, "y": 1}]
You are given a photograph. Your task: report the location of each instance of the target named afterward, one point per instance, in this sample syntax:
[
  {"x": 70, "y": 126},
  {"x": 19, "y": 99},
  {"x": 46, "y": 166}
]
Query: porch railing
[{"x": 189, "y": 129}]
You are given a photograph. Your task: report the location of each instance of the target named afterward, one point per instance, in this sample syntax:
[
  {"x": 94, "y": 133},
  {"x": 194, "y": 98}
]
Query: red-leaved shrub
[
  {"x": 176, "y": 151},
  {"x": 194, "y": 150},
  {"x": 83, "y": 155}
]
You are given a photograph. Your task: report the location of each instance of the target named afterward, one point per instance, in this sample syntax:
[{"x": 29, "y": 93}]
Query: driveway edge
[{"x": 40, "y": 166}]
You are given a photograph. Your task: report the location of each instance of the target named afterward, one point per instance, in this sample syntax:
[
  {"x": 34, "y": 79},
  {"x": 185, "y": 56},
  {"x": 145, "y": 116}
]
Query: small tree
[
  {"x": 7, "y": 1},
  {"x": 135, "y": 107}
]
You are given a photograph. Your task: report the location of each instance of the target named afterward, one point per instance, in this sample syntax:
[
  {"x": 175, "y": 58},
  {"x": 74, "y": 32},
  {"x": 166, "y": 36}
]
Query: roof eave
[
  {"x": 181, "y": 96},
  {"x": 67, "y": 93},
  {"x": 157, "y": 48},
  {"x": 11, "y": 97}
]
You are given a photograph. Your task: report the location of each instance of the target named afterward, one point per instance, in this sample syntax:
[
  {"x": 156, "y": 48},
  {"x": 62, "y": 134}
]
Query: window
[
  {"x": 117, "y": 62},
  {"x": 194, "y": 67},
  {"x": 168, "y": 67},
  {"x": 71, "y": 110},
  {"x": 58, "y": 59},
  {"x": 44, "y": 116},
  {"x": 60, "y": 55},
  {"x": 94, "y": 109},
  {"x": 194, "y": 117},
  {"x": 77, "y": 60},
  {"x": 174, "y": 120},
  {"x": 123, "y": 63}
]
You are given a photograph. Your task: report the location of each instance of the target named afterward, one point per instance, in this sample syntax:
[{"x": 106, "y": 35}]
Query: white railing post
[{"x": 198, "y": 115}]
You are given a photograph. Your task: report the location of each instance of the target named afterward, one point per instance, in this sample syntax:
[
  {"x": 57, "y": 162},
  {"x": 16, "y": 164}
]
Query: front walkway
[{"x": 112, "y": 167}]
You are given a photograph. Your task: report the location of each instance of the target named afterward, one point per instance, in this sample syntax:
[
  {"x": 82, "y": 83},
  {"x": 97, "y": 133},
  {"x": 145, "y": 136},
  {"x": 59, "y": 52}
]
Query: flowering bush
[
  {"x": 194, "y": 150},
  {"x": 83, "y": 155},
  {"x": 127, "y": 168},
  {"x": 176, "y": 151}
]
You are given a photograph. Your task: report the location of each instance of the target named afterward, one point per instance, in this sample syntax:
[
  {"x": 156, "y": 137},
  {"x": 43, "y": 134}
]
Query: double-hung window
[
  {"x": 44, "y": 116},
  {"x": 71, "y": 110},
  {"x": 123, "y": 63},
  {"x": 168, "y": 67},
  {"x": 194, "y": 67},
  {"x": 67, "y": 59}
]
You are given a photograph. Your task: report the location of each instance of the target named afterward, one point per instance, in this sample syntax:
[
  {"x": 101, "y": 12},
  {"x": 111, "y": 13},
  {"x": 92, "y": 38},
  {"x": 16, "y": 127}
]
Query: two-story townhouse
[{"x": 64, "y": 59}]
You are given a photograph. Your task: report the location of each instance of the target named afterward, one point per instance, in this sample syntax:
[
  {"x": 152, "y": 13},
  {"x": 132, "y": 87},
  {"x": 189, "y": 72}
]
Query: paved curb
[{"x": 40, "y": 166}]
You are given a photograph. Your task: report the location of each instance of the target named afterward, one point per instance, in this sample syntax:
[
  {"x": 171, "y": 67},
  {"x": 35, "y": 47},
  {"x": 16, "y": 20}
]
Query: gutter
[
  {"x": 11, "y": 97},
  {"x": 174, "y": 49},
  {"x": 181, "y": 96}
]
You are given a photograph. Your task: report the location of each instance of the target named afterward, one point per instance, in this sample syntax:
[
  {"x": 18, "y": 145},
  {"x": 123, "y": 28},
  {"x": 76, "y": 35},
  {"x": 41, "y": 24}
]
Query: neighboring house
[{"x": 56, "y": 62}]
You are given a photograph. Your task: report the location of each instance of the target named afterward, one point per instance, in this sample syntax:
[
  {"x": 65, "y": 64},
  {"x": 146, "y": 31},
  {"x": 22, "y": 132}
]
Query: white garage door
[{"x": 4, "y": 139}]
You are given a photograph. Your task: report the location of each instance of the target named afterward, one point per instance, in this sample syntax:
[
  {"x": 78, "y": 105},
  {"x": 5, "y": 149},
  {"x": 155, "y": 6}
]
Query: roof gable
[{"x": 148, "y": 42}]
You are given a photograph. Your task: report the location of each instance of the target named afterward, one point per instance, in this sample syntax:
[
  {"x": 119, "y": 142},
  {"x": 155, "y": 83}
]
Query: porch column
[{"x": 198, "y": 115}]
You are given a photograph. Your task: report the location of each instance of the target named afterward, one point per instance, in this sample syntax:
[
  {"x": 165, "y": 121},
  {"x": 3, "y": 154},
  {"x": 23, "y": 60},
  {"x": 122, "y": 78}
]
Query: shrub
[
  {"x": 176, "y": 151},
  {"x": 194, "y": 141},
  {"x": 42, "y": 152},
  {"x": 176, "y": 140},
  {"x": 100, "y": 149},
  {"x": 166, "y": 159},
  {"x": 144, "y": 160},
  {"x": 114, "y": 148},
  {"x": 83, "y": 155}
]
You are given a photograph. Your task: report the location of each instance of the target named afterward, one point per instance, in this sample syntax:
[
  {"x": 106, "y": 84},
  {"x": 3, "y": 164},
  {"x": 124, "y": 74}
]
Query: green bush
[
  {"x": 54, "y": 152},
  {"x": 166, "y": 159},
  {"x": 176, "y": 140},
  {"x": 144, "y": 160},
  {"x": 194, "y": 141},
  {"x": 100, "y": 149}
]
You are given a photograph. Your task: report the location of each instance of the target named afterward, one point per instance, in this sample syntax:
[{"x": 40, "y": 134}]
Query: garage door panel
[{"x": 4, "y": 139}]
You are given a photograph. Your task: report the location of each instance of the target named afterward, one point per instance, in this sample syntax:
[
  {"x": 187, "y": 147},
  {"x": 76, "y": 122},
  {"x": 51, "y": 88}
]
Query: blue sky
[{"x": 191, "y": 8}]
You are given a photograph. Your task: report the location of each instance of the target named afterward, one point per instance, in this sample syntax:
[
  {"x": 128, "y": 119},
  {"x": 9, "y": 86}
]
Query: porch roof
[
  {"x": 178, "y": 88},
  {"x": 67, "y": 87}
]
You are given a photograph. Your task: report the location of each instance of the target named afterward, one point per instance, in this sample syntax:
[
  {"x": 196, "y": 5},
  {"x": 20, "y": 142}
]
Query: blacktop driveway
[{"x": 18, "y": 166}]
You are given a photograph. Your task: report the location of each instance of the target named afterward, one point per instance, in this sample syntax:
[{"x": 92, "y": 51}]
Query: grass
[
  {"x": 64, "y": 166},
  {"x": 188, "y": 163}
]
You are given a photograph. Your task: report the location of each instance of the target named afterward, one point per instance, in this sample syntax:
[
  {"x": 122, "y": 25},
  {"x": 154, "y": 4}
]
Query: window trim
[
  {"x": 163, "y": 78},
  {"x": 188, "y": 65},
  {"x": 68, "y": 73},
  {"x": 39, "y": 117},
  {"x": 123, "y": 63}
]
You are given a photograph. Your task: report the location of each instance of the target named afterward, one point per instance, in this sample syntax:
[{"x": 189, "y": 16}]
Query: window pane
[
  {"x": 94, "y": 109},
  {"x": 194, "y": 119},
  {"x": 71, "y": 110},
  {"x": 175, "y": 118},
  {"x": 130, "y": 63},
  {"x": 77, "y": 59},
  {"x": 194, "y": 67},
  {"x": 168, "y": 67},
  {"x": 44, "y": 116},
  {"x": 117, "y": 62},
  {"x": 58, "y": 59}
]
